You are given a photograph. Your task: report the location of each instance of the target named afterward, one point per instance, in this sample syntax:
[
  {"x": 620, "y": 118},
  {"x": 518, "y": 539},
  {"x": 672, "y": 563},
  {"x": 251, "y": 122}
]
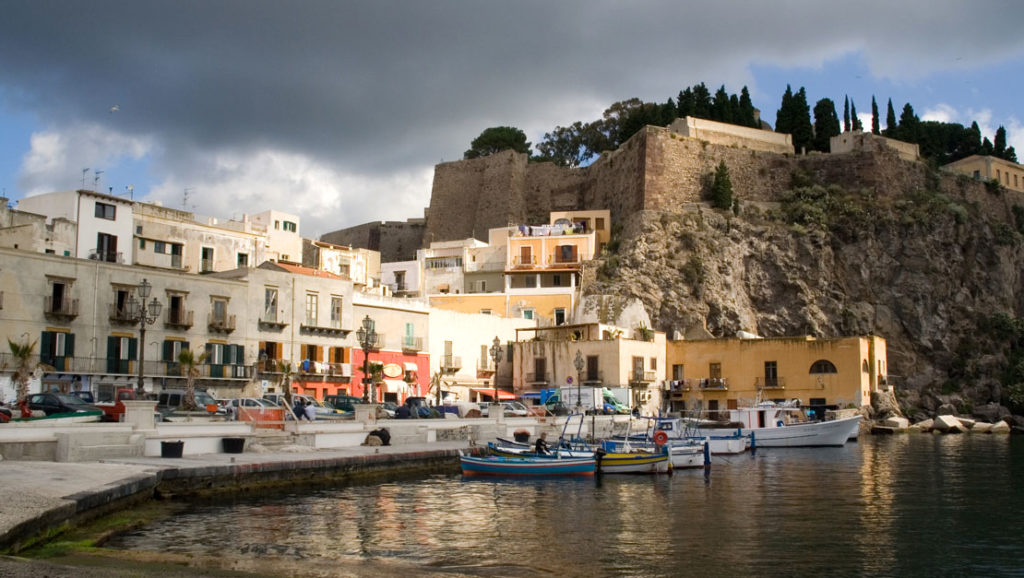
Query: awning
[
  {"x": 502, "y": 394},
  {"x": 410, "y": 366},
  {"x": 394, "y": 385}
]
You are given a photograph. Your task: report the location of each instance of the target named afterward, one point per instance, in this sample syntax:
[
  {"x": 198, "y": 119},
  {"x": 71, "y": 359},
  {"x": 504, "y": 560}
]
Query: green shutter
[
  {"x": 46, "y": 347},
  {"x": 168, "y": 350},
  {"x": 112, "y": 355},
  {"x": 69, "y": 345},
  {"x": 133, "y": 348}
]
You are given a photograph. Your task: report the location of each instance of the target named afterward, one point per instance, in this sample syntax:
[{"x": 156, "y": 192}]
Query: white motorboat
[{"x": 785, "y": 426}]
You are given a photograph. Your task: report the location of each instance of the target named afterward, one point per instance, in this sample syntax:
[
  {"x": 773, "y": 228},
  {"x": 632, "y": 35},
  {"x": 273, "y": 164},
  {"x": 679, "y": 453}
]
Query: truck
[
  {"x": 114, "y": 410},
  {"x": 592, "y": 400}
]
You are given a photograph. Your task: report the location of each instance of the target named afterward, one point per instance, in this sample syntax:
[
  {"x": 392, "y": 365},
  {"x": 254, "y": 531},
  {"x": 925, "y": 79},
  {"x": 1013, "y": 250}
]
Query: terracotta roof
[{"x": 300, "y": 270}]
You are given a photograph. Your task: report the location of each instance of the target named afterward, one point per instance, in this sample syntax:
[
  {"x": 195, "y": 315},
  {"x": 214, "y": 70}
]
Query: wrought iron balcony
[
  {"x": 714, "y": 383},
  {"x": 450, "y": 363},
  {"x": 64, "y": 308},
  {"x": 412, "y": 343},
  {"x": 222, "y": 323},
  {"x": 121, "y": 314},
  {"x": 538, "y": 378},
  {"x": 770, "y": 383},
  {"x": 179, "y": 318}
]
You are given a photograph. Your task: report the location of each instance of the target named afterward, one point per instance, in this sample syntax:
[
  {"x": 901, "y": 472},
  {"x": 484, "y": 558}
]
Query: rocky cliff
[{"x": 932, "y": 268}]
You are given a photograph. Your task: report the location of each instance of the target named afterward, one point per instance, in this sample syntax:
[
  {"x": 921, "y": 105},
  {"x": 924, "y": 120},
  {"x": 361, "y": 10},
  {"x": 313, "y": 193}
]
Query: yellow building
[
  {"x": 988, "y": 168},
  {"x": 723, "y": 374}
]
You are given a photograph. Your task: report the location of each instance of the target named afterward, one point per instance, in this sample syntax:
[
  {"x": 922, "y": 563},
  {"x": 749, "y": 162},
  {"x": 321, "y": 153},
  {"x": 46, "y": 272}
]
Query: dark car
[
  {"x": 343, "y": 402},
  {"x": 53, "y": 403},
  {"x": 85, "y": 396}
]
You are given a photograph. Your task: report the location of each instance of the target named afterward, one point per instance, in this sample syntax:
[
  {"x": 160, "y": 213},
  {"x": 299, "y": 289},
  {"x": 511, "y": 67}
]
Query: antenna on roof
[
  {"x": 96, "y": 180},
  {"x": 84, "y": 171},
  {"x": 131, "y": 191},
  {"x": 184, "y": 198}
]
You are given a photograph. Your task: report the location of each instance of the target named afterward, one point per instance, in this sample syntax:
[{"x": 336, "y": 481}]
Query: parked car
[
  {"x": 345, "y": 403},
  {"x": 389, "y": 408},
  {"x": 169, "y": 400},
  {"x": 85, "y": 396},
  {"x": 323, "y": 409},
  {"x": 53, "y": 403},
  {"x": 511, "y": 409}
]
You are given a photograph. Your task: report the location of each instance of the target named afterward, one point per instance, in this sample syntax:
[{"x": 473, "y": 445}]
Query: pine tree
[
  {"x": 908, "y": 129},
  {"x": 874, "y": 116},
  {"x": 999, "y": 146},
  {"x": 846, "y": 114},
  {"x": 826, "y": 124},
  {"x": 685, "y": 103},
  {"x": 890, "y": 120},
  {"x": 721, "y": 188},
  {"x": 701, "y": 101},
  {"x": 783, "y": 118},
  {"x": 720, "y": 106}
]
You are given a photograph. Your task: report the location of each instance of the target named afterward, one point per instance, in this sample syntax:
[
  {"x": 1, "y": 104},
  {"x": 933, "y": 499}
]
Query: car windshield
[
  {"x": 68, "y": 399},
  {"x": 203, "y": 398}
]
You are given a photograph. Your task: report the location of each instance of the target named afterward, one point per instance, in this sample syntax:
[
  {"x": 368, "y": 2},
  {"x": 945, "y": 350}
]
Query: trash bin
[
  {"x": 521, "y": 436},
  {"x": 234, "y": 445},
  {"x": 171, "y": 449}
]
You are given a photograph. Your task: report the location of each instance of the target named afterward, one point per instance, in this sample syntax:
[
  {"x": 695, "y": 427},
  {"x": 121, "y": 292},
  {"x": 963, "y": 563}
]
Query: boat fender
[
  {"x": 780, "y": 423},
  {"x": 660, "y": 438}
]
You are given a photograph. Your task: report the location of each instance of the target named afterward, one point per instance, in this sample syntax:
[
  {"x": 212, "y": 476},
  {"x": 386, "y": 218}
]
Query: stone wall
[{"x": 395, "y": 240}]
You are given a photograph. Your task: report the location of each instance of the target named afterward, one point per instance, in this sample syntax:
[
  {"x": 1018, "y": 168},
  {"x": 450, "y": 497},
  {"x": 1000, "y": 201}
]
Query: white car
[{"x": 511, "y": 409}]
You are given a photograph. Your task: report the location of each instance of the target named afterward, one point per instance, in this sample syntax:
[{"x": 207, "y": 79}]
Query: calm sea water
[{"x": 910, "y": 505}]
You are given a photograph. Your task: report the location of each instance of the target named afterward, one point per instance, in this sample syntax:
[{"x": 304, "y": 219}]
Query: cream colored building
[
  {"x": 283, "y": 241},
  {"x": 175, "y": 239},
  {"x": 103, "y": 223},
  {"x": 362, "y": 266},
  {"x": 718, "y": 374},
  {"x": 733, "y": 135},
  {"x": 34, "y": 232},
  {"x": 852, "y": 141},
  {"x": 988, "y": 168},
  {"x": 610, "y": 357}
]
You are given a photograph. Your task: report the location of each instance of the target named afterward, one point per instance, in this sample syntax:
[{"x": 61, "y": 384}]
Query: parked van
[{"x": 343, "y": 402}]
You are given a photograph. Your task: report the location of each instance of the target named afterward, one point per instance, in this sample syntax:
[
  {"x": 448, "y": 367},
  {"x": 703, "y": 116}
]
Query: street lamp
[
  {"x": 367, "y": 337},
  {"x": 578, "y": 362},
  {"x": 496, "y": 356},
  {"x": 145, "y": 315}
]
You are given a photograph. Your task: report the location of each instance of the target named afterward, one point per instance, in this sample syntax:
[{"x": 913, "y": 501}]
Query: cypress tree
[
  {"x": 826, "y": 124},
  {"x": 874, "y": 116},
  {"x": 857, "y": 125},
  {"x": 685, "y": 104},
  {"x": 908, "y": 124},
  {"x": 720, "y": 106},
  {"x": 846, "y": 114},
  {"x": 890, "y": 120},
  {"x": 721, "y": 188},
  {"x": 746, "y": 117},
  {"x": 803, "y": 132},
  {"x": 701, "y": 101},
  {"x": 999, "y": 146},
  {"x": 783, "y": 118}
]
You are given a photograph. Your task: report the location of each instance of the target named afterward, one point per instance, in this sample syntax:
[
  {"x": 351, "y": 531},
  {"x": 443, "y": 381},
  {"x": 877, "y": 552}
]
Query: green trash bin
[
  {"x": 233, "y": 445},
  {"x": 172, "y": 449}
]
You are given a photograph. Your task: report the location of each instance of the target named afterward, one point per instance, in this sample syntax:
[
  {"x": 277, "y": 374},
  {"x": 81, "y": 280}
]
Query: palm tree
[
  {"x": 377, "y": 377},
  {"x": 189, "y": 364},
  {"x": 23, "y": 365}
]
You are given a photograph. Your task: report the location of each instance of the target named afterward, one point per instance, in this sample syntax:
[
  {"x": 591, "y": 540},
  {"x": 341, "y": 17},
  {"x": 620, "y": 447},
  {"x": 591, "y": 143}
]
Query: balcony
[
  {"x": 714, "y": 383},
  {"x": 521, "y": 262},
  {"x": 270, "y": 322},
  {"x": 411, "y": 343},
  {"x": 221, "y": 323},
  {"x": 643, "y": 376},
  {"x": 107, "y": 256},
  {"x": 310, "y": 326},
  {"x": 121, "y": 314},
  {"x": 178, "y": 318},
  {"x": 770, "y": 383},
  {"x": 593, "y": 379},
  {"x": 450, "y": 363},
  {"x": 339, "y": 369},
  {"x": 485, "y": 365},
  {"x": 206, "y": 265},
  {"x": 60, "y": 308}
]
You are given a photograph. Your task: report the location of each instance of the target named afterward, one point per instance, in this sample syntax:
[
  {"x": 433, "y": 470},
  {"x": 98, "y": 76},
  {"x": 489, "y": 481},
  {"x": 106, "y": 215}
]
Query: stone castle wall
[{"x": 659, "y": 169}]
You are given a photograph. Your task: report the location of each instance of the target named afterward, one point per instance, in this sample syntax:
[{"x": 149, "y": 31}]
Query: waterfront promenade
[{"x": 39, "y": 496}]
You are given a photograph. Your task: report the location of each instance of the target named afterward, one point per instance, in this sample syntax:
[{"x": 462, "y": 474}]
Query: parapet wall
[{"x": 733, "y": 135}]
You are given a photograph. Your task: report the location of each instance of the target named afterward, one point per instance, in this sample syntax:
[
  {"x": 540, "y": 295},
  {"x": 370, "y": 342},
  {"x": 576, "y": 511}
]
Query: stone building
[{"x": 988, "y": 168}]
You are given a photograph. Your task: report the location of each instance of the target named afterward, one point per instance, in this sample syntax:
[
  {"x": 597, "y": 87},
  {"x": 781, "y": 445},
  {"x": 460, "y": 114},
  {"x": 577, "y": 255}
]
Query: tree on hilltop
[
  {"x": 826, "y": 124},
  {"x": 846, "y": 114},
  {"x": 854, "y": 119},
  {"x": 721, "y": 188},
  {"x": 890, "y": 120},
  {"x": 874, "y": 116},
  {"x": 496, "y": 139}
]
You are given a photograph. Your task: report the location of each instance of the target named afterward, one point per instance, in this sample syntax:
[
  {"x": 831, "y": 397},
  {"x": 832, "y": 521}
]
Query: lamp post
[
  {"x": 496, "y": 356},
  {"x": 367, "y": 337},
  {"x": 578, "y": 362},
  {"x": 145, "y": 315}
]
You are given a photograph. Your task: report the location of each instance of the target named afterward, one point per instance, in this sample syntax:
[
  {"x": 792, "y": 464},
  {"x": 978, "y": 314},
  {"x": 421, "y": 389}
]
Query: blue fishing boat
[{"x": 526, "y": 466}]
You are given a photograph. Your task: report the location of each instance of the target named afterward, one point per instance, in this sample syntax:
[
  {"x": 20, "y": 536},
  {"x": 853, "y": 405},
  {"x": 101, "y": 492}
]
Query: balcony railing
[
  {"x": 770, "y": 383},
  {"x": 593, "y": 379},
  {"x": 205, "y": 265},
  {"x": 450, "y": 363},
  {"x": 538, "y": 378},
  {"x": 521, "y": 261},
  {"x": 411, "y": 343},
  {"x": 485, "y": 364},
  {"x": 714, "y": 383},
  {"x": 60, "y": 308},
  {"x": 108, "y": 256},
  {"x": 560, "y": 260},
  {"x": 104, "y": 365},
  {"x": 224, "y": 323},
  {"x": 179, "y": 318},
  {"x": 121, "y": 314},
  {"x": 643, "y": 376}
]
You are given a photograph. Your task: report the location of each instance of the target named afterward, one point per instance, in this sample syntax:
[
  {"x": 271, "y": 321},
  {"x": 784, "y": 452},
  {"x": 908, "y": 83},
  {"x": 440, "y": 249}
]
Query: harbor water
[{"x": 905, "y": 505}]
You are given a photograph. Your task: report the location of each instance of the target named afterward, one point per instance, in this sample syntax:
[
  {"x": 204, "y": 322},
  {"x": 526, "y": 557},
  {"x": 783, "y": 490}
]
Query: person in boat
[{"x": 541, "y": 447}]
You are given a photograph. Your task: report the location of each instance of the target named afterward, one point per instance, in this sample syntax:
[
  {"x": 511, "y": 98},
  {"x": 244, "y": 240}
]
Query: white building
[{"x": 104, "y": 222}]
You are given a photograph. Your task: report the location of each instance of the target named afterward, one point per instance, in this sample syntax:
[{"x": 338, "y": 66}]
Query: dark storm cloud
[{"x": 370, "y": 88}]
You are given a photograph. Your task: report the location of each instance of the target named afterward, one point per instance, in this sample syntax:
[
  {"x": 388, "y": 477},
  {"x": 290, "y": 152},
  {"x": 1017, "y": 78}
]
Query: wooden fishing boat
[
  {"x": 526, "y": 466},
  {"x": 636, "y": 461}
]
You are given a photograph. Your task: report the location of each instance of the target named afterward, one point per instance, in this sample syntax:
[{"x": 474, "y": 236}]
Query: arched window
[
  {"x": 823, "y": 366},
  {"x": 864, "y": 367}
]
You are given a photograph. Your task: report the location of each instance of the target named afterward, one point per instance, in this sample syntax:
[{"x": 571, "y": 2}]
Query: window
[
  {"x": 566, "y": 254},
  {"x": 977, "y": 175},
  {"x": 485, "y": 312},
  {"x": 677, "y": 372},
  {"x": 142, "y": 243},
  {"x": 120, "y": 352},
  {"x": 540, "y": 369},
  {"x": 556, "y": 280},
  {"x": 172, "y": 349},
  {"x": 638, "y": 368},
  {"x": 525, "y": 255},
  {"x": 530, "y": 282},
  {"x": 312, "y": 304},
  {"x": 159, "y": 247},
  {"x": 206, "y": 263},
  {"x": 823, "y": 366},
  {"x": 290, "y": 226},
  {"x": 528, "y": 313},
  {"x": 483, "y": 286},
  {"x": 771, "y": 374},
  {"x": 138, "y": 229},
  {"x": 55, "y": 349},
  {"x": 106, "y": 247},
  {"x": 336, "y": 303},
  {"x": 399, "y": 280},
  {"x": 559, "y": 316},
  {"x": 270, "y": 305},
  {"x": 715, "y": 370},
  {"x": 220, "y": 310},
  {"x": 654, "y": 364},
  {"x": 277, "y": 225},
  {"x": 599, "y": 223},
  {"x": 243, "y": 259},
  {"x": 105, "y": 211},
  {"x": 592, "y": 368}
]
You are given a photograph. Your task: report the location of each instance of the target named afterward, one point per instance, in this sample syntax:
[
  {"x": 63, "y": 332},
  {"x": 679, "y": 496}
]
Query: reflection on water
[{"x": 900, "y": 505}]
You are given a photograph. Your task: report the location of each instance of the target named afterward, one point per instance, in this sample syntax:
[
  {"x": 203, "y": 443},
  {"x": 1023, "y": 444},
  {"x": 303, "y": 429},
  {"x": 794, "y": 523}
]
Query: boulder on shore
[
  {"x": 926, "y": 424},
  {"x": 981, "y": 427},
  {"x": 1000, "y": 427},
  {"x": 948, "y": 424},
  {"x": 900, "y": 423}
]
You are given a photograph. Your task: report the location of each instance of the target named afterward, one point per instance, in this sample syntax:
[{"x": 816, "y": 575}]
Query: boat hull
[
  {"x": 614, "y": 462},
  {"x": 814, "y": 434},
  {"x": 526, "y": 467}
]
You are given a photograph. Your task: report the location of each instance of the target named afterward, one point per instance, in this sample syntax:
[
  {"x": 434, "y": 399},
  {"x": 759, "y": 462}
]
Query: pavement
[{"x": 36, "y": 496}]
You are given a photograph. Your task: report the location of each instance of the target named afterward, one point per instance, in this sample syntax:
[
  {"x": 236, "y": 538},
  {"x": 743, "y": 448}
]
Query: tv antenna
[
  {"x": 96, "y": 180},
  {"x": 184, "y": 198},
  {"x": 131, "y": 191},
  {"x": 84, "y": 171}
]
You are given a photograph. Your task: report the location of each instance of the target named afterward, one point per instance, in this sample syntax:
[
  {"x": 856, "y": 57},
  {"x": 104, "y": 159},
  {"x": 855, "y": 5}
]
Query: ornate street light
[
  {"x": 496, "y": 356},
  {"x": 144, "y": 315},
  {"x": 578, "y": 362},
  {"x": 367, "y": 337}
]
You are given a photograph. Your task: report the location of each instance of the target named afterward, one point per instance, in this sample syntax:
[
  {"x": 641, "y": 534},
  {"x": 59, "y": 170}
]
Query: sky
[{"x": 338, "y": 111}]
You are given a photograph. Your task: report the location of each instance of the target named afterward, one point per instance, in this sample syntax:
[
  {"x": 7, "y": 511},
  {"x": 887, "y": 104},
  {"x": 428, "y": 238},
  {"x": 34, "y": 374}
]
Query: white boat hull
[{"x": 813, "y": 434}]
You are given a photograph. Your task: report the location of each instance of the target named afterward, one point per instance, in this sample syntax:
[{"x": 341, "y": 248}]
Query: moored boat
[
  {"x": 785, "y": 426},
  {"x": 635, "y": 461},
  {"x": 526, "y": 466}
]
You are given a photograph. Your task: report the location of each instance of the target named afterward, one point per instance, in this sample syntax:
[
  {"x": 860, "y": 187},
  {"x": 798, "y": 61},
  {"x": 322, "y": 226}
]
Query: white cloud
[
  {"x": 48, "y": 165},
  {"x": 941, "y": 113}
]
